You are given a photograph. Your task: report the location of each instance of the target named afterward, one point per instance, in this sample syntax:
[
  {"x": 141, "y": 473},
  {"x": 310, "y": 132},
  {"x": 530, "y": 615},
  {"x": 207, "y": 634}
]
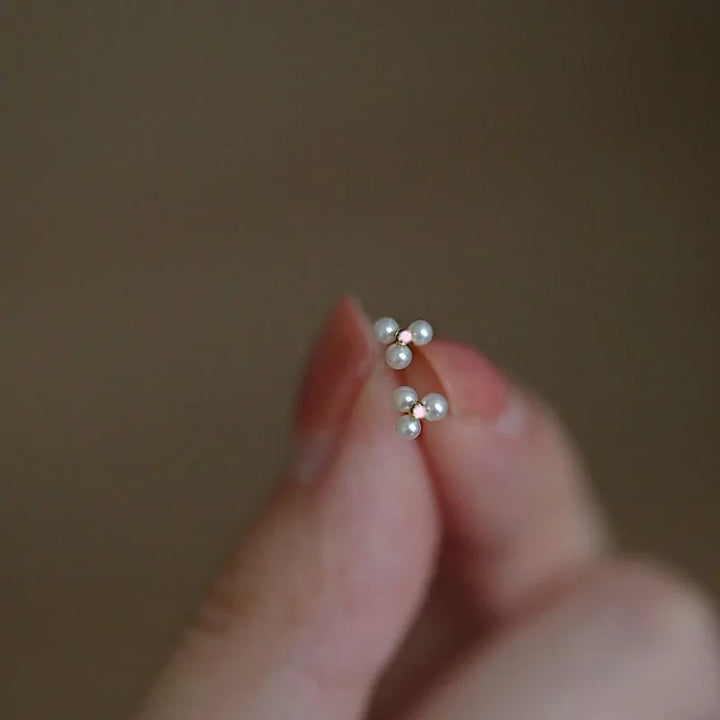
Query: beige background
[{"x": 186, "y": 187}]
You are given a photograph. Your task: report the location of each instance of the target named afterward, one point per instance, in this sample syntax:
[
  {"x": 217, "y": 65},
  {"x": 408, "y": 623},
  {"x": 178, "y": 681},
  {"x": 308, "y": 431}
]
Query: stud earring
[
  {"x": 432, "y": 407},
  {"x": 398, "y": 355}
]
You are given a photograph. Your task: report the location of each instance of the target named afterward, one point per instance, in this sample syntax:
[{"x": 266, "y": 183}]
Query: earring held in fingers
[
  {"x": 399, "y": 355},
  {"x": 432, "y": 407}
]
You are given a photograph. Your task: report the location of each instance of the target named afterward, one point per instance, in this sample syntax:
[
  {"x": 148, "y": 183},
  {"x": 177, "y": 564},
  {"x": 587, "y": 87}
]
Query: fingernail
[
  {"x": 340, "y": 362},
  {"x": 475, "y": 388},
  {"x": 512, "y": 421}
]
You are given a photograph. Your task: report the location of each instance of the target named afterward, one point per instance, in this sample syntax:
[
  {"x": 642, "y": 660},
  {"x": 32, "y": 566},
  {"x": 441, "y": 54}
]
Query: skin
[{"x": 468, "y": 574}]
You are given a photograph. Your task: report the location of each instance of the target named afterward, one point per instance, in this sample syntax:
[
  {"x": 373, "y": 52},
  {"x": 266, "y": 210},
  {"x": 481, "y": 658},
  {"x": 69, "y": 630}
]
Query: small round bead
[
  {"x": 421, "y": 331},
  {"x": 418, "y": 411},
  {"x": 404, "y": 398},
  {"x": 436, "y": 406},
  {"x": 398, "y": 356},
  {"x": 385, "y": 330},
  {"x": 408, "y": 427},
  {"x": 404, "y": 337}
]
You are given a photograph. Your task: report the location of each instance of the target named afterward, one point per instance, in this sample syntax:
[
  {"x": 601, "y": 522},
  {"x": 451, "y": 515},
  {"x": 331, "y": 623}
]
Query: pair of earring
[{"x": 398, "y": 356}]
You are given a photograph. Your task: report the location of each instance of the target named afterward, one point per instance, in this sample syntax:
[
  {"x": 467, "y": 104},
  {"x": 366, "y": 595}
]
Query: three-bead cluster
[
  {"x": 398, "y": 356},
  {"x": 432, "y": 407}
]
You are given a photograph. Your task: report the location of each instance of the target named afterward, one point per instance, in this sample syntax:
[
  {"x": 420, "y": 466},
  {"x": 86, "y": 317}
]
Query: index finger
[{"x": 517, "y": 506}]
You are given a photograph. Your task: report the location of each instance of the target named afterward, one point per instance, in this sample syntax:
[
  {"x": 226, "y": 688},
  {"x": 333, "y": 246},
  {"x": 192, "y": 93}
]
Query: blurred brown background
[{"x": 186, "y": 187}]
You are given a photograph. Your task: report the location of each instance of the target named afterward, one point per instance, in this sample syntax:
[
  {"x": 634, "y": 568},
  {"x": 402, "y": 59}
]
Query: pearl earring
[
  {"x": 431, "y": 408},
  {"x": 398, "y": 355}
]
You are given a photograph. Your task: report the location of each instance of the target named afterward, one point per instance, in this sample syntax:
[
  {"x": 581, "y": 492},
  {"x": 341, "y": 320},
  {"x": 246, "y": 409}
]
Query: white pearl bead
[
  {"x": 404, "y": 398},
  {"x": 398, "y": 356},
  {"x": 436, "y": 406},
  {"x": 422, "y": 332},
  {"x": 385, "y": 330},
  {"x": 408, "y": 427}
]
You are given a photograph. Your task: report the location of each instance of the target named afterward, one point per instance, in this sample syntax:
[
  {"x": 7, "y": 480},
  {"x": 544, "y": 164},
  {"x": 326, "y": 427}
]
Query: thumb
[{"x": 310, "y": 608}]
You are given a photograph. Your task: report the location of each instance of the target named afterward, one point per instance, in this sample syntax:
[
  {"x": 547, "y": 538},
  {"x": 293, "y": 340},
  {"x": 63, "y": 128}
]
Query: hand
[{"x": 464, "y": 575}]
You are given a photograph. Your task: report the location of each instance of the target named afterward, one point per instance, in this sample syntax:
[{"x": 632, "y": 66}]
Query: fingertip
[
  {"x": 474, "y": 386},
  {"x": 515, "y": 500}
]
